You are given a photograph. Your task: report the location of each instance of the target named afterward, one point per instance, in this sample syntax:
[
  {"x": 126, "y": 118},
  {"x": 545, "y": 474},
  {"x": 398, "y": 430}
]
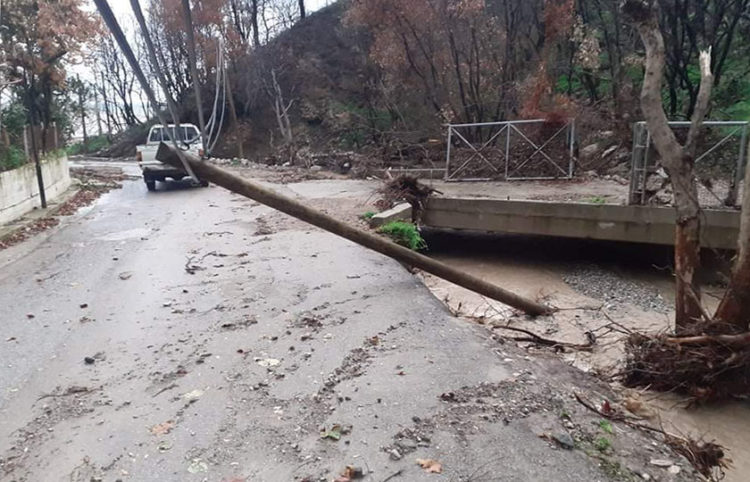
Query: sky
[{"x": 121, "y": 8}]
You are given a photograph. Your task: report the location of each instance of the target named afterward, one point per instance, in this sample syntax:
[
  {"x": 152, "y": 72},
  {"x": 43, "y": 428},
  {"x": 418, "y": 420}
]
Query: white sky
[{"x": 121, "y": 8}]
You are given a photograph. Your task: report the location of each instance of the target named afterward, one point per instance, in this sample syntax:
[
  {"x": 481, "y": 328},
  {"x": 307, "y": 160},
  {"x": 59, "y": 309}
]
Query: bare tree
[
  {"x": 120, "y": 80},
  {"x": 678, "y": 160},
  {"x": 281, "y": 108}
]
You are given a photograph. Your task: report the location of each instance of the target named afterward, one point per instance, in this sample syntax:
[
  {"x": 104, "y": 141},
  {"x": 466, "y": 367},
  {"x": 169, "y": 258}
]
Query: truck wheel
[{"x": 150, "y": 184}]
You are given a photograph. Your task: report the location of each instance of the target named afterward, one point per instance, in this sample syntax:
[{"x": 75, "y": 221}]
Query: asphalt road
[{"x": 219, "y": 351}]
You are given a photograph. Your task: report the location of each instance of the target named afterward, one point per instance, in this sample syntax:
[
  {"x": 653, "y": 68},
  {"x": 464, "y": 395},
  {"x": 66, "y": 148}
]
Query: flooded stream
[{"x": 593, "y": 283}]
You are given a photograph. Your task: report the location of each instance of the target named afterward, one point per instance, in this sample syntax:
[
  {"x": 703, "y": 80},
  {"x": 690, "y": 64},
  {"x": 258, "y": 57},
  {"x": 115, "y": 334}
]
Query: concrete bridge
[{"x": 635, "y": 224}]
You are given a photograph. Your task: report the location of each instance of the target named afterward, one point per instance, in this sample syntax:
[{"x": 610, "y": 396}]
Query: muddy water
[{"x": 539, "y": 268}]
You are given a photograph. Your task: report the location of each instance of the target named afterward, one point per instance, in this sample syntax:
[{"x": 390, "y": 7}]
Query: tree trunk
[
  {"x": 254, "y": 20},
  {"x": 302, "y": 9},
  {"x": 188, "y": 19},
  {"x": 735, "y": 306},
  {"x": 83, "y": 119},
  {"x": 677, "y": 160},
  {"x": 233, "y": 114}
]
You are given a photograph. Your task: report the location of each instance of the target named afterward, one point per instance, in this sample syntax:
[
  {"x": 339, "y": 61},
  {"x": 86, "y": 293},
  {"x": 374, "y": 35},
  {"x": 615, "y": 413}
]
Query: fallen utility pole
[{"x": 266, "y": 196}]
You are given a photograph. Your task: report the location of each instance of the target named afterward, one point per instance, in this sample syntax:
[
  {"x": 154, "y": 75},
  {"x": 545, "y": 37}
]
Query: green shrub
[
  {"x": 368, "y": 215},
  {"x": 94, "y": 144},
  {"x": 405, "y": 234},
  {"x": 11, "y": 158}
]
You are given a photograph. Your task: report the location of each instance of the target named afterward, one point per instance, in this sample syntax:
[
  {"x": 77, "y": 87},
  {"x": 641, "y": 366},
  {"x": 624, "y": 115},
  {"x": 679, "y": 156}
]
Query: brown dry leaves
[
  {"x": 430, "y": 466},
  {"x": 163, "y": 428}
]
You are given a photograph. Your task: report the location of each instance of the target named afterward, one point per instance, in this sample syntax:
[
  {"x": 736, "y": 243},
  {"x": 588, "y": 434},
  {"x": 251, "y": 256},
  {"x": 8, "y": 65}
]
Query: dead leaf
[
  {"x": 430, "y": 466},
  {"x": 349, "y": 474},
  {"x": 163, "y": 428}
]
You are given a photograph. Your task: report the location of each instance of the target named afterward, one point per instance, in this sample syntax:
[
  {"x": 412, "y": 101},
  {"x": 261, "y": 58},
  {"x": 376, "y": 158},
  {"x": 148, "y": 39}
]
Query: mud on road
[{"x": 191, "y": 334}]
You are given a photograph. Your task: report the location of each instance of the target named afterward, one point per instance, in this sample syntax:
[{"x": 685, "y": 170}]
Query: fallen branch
[
  {"x": 298, "y": 210},
  {"x": 738, "y": 341},
  {"x": 703, "y": 456},
  {"x": 534, "y": 338}
]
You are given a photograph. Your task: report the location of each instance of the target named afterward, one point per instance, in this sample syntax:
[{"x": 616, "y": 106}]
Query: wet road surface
[{"x": 173, "y": 336}]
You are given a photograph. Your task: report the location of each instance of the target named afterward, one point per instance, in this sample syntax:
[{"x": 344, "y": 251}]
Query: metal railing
[
  {"x": 643, "y": 165},
  {"x": 503, "y": 150}
]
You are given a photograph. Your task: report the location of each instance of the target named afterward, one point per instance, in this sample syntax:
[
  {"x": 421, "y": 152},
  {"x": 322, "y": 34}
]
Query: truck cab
[{"x": 188, "y": 139}]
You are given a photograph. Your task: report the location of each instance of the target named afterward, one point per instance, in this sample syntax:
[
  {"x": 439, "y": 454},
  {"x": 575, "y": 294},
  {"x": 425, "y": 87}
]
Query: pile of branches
[
  {"x": 406, "y": 188},
  {"x": 711, "y": 364},
  {"x": 704, "y": 456}
]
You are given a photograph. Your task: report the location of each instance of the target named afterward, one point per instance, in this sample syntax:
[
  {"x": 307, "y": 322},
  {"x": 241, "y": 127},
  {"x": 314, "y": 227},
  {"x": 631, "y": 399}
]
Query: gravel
[{"x": 596, "y": 282}]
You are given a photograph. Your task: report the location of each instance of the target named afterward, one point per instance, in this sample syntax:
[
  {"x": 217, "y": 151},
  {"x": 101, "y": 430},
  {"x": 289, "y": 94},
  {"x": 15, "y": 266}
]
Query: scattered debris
[
  {"x": 89, "y": 360},
  {"x": 564, "y": 440},
  {"x": 350, "y": 473},
  {"x": 409, "y": 189},
  {"x": 197, "y": 466},
  {"x": 125, "y": 275},
  {"x": 163, "y": 428},
  {"x": 430, "y": 466},
  {"x": 335, "y": 432},
  {"x": 703, "y": 456},
  {"x": 193, "y": 395},
  {"x": 23, "y": 233},
  {"x": 268, "y": 362},
  {"x": 705, "y": 367}
]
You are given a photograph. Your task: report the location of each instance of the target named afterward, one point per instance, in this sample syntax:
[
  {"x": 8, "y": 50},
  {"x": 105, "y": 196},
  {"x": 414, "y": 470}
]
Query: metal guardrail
[
  {"x": 642, "y": 165},
  {"x": 493, "y": 162}
]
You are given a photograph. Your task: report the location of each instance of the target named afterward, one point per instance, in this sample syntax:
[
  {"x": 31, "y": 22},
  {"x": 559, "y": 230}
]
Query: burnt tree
[{"x": 678, "y": 160}]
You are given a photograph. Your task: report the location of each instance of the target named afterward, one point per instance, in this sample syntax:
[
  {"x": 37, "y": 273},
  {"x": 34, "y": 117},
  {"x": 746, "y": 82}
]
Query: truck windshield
[{"x": 186, "y": 133}]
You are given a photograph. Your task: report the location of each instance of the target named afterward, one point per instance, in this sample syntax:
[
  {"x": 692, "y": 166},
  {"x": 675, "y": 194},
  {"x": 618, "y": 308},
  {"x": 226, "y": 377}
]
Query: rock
[
  {"x": 406, "y": 444},
  {"x": 661, "y": 462},
  {"x": 565, "y": 440},
  {"x": 193, "y": 395},
  {"x": 620, "y": 180},
  {"x": 655, "y": 183},
  {"x": 589, "y": 151},
  {"x": 395, "y": 454},
  {"x": 674, "y": 469},
  {"x": 606, "y": 134},
  {"x": 89, "y": 360},
  {"x": 609, "y": 152},
  {"x": 316, "y": 168},
  {"x": 645, "y": 476}
]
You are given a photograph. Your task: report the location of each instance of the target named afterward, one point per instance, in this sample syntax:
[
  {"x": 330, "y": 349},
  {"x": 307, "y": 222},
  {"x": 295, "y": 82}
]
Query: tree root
[{"x": 711, "y": 363}]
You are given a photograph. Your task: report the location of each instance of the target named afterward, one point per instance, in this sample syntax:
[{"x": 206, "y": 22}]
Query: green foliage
[
  {"x": 596, "y": 200},
  {"x": 95, "y": 144},
  {"x": 602, "y": 444},
  {"x": 368, "y": 215},
  {"x": 11, "y": 158},
  {"x": 405, "y": 234},
  {"x": 606, "y": 426},
  {"x": 14, "y": 118},
  {"x": 360, "y": 124}
]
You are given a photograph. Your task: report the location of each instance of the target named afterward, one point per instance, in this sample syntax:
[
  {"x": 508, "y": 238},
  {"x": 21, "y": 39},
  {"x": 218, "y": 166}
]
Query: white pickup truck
[{"x": 188, "y": 139}]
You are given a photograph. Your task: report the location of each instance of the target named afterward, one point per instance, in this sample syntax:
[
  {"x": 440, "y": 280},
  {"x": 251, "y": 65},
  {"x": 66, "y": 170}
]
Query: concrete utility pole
[
  {"x": 192, "y": 57},
  {"x": 292, "y": 207}
]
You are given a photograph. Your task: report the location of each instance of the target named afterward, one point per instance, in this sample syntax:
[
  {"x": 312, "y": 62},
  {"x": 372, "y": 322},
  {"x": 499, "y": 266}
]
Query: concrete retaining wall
[
  {"x": 635, "y": 224},
  {"x": 19, "y": 191}
]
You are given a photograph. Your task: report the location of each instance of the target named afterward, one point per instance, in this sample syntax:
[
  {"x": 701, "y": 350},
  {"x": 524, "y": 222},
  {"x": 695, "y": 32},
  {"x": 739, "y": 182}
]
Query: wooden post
[{"x": 287, "y": 205}]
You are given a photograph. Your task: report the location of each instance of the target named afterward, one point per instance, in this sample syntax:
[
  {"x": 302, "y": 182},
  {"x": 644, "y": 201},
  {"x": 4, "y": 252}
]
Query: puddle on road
[
  {"x": 125, "y": 235},
  {"x": 538, "y": 267}
]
